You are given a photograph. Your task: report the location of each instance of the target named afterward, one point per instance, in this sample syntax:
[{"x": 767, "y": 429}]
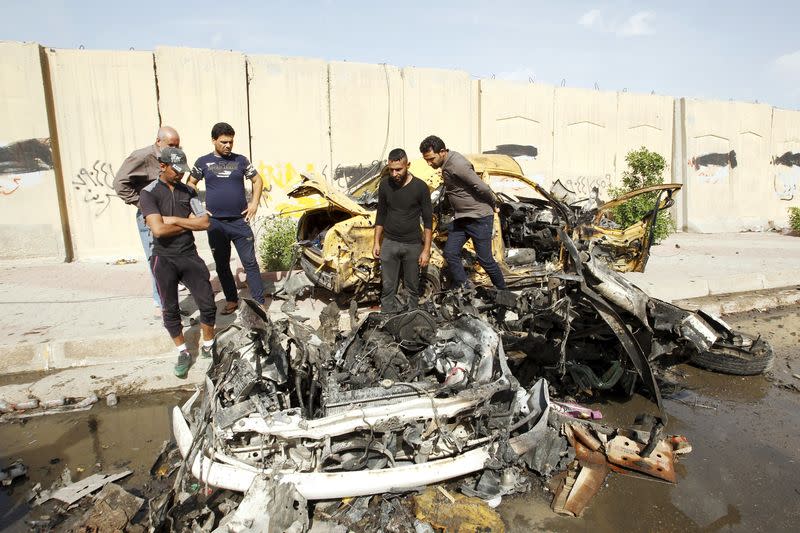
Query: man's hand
[
  {"x": 169, "y": 219},
  {"x": 250, "y": 212},
  {"x": 376, "y": 250},
  {"x": 424, "y": 258}
]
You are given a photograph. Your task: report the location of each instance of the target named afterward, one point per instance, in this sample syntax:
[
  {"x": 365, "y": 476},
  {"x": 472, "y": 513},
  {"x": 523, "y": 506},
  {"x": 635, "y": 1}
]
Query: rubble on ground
[{"x": 479, "y": 389}]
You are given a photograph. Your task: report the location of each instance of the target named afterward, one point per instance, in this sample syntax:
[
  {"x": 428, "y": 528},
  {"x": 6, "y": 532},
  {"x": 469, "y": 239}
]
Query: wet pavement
[
  {"x": 743, "y": 473},
  {"x": 104, "y": 439}
]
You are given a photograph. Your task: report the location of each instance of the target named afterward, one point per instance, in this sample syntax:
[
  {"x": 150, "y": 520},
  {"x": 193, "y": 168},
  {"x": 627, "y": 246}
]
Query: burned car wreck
[
  {"x": 335, "y": 229},
  {"x": 477, "y": 386}
]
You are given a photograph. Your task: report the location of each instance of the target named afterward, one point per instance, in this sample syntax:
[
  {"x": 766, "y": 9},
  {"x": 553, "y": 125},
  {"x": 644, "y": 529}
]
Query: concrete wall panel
[
  {"x": 784, "y": 164},
  {"x": 644, "y": 120},
  {"x": 585, "y": 139},
  {"x": 517, "y": 119},
  {"x": 30, "y": 220},
  {"x": 105, "y": 107},
  {"x": 198, "y": 88},
  {"x": 289, "y": 120},
  {"x": 728, "y": 180},
  {"x": 366, "y": 118},
  {"x": 438, "y": 102}
]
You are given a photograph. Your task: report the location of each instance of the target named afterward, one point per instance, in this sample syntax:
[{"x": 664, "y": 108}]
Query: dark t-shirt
[
  {"x": 157, "y": 199},
  {"x": 225, "y": 195},
  {"x": 400, "y": 209}
]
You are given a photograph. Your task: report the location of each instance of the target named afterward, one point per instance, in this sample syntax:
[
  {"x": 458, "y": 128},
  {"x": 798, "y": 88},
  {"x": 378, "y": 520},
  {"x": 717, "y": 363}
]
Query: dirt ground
[{"x": 743, "y": 473}]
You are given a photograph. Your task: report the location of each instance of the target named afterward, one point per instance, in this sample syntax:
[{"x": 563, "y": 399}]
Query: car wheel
[
  {"x": 430, "y": 284},
  {"x": 736, "y": 360}
]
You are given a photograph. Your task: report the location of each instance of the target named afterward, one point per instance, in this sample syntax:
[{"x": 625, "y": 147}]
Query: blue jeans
[
  {"x": 238, "y": 231},
  {"x": 480, "y": 231},
  {"x": 147, "y": 244}
]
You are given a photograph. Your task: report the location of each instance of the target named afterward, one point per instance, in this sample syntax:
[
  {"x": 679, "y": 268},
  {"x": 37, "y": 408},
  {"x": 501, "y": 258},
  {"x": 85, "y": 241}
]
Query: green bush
[
  {"x": 645, "y": 169},
  {"x": 277, "y": 243},
  {"x": 794, "y": 218}
]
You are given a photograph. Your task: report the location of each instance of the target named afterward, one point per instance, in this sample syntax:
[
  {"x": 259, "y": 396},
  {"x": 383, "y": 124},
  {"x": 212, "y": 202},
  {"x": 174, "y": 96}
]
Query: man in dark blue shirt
[
  {"x": 225, "y": 172},
  {"x": 403, "y": 200},
  {"x": 172, "y": 212}
]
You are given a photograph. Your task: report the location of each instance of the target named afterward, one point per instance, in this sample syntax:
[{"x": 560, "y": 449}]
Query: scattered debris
[
  {"x": 10, "y": 473},
  {"x": 73, "y": 492},
  {"x": 456, "y": 513},
  {"x": 33, "y": 407},
  {"x": 113, "y": 509}
]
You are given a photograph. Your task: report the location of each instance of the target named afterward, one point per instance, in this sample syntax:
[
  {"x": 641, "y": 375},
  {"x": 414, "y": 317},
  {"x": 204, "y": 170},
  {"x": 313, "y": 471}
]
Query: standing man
[
  {"x": 402, "y": 200},
  {"x": 225, "y": 172},
  {"x": 473, "y": 202},
  {"x": 172, "y": 212},
  {"x": 139, "y": 169}
]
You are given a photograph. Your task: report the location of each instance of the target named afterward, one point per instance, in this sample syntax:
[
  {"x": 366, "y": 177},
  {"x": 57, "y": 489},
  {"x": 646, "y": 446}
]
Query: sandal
[{"x": 230, "y": 307}]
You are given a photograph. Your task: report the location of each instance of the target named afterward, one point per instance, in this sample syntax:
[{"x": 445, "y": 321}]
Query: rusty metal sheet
[{"x": 624, "y": 452}]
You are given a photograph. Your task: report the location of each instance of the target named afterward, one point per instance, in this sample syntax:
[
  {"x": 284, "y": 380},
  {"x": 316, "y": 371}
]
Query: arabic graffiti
[
  {"x": 95, "y": 185},
  {"x": 787, "y": 175},
  {"x": 583, "y": 185}
]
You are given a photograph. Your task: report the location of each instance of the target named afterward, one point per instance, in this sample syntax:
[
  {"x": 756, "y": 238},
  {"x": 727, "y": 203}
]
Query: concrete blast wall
[
  {"x": 439, "y": 102},
  {"x": 739, "y": 163},
  {"x": 105, "y": 107},
  {"x": 366, "y": 110},
  {"x": 198, "y": 88},
  {"x": 30, "y": 218},
  {"x": 784, "y": 166},
  {"x": 728, "y": 171},
  {"x": 289, "y": 119}
]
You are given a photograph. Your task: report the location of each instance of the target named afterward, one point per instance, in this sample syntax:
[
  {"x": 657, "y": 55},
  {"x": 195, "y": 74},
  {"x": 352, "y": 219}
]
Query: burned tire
[
  {"x": 430, "y": 284},
  {"x": 736, "y": 360}
]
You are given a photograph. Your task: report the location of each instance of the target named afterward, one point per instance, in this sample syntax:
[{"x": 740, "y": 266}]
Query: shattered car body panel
[{"x": 336, "y": 234}]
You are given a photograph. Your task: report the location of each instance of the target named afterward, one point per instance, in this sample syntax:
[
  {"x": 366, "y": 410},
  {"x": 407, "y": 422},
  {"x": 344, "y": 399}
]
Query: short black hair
[
  {"x": 221, "y": 128},
  {"x": 431, "y": 142},
  {"x": 398, "y": 154}
]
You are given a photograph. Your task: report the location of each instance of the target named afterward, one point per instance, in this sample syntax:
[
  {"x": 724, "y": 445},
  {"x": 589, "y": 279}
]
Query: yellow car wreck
[{"x": 335, "y": 230}]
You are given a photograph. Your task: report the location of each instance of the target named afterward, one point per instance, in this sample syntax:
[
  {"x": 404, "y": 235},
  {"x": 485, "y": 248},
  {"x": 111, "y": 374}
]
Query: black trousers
[
  {"x": 192, "y": 272},
  {"x": 394, "y": 257}
]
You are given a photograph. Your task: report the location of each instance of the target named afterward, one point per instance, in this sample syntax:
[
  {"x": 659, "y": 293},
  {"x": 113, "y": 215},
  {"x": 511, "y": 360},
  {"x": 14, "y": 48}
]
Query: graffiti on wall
[
  {"x": 515, "y": 150},
  {"x": 22, "y": 164},
  {"x": 583, "y": 185},
  {"x": 279, "y": 179},
  {"x": 95, "y": 186},
  {"x": 714, "y": 167},
  {"x": 787, "y": 175},
  {"x": 348, "y": 177}
]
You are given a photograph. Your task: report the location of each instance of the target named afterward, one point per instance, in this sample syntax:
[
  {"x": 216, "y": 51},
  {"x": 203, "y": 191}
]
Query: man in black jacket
[{"x": 402, "y": 201}]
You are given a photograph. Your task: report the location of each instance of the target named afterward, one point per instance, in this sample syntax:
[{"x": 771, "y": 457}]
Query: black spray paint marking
[
  {"x": 715, "y": 160},
  {"x": 788, "y": 159},
  {"x": 354, "y": 175},
  {"x": 23, "y": 157},
  {"x": 97, "y": 185},
  {"x": 515, "y": 150}
]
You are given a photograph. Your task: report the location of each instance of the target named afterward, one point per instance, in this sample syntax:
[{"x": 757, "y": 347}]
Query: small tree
[
  {"x": 794, "y": 218},
  {"x": 645, "y": 169},
  {"x": 277, "y": 242}
]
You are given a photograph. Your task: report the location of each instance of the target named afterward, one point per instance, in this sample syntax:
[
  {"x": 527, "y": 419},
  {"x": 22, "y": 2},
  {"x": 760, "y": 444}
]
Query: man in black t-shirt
[
  {"x": 172, "y": 212},
  {"x": 402, "y": 200}
]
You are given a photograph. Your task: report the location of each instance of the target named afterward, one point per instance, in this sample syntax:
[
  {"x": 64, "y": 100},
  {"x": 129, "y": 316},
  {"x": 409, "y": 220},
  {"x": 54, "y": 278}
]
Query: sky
[{"x": 721, "y": 50}]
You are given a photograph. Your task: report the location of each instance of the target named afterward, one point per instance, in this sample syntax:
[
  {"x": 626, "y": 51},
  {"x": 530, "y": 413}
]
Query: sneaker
[
  {"x": 183, "y": 364},
  {"x": 206, "y": 351}
]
